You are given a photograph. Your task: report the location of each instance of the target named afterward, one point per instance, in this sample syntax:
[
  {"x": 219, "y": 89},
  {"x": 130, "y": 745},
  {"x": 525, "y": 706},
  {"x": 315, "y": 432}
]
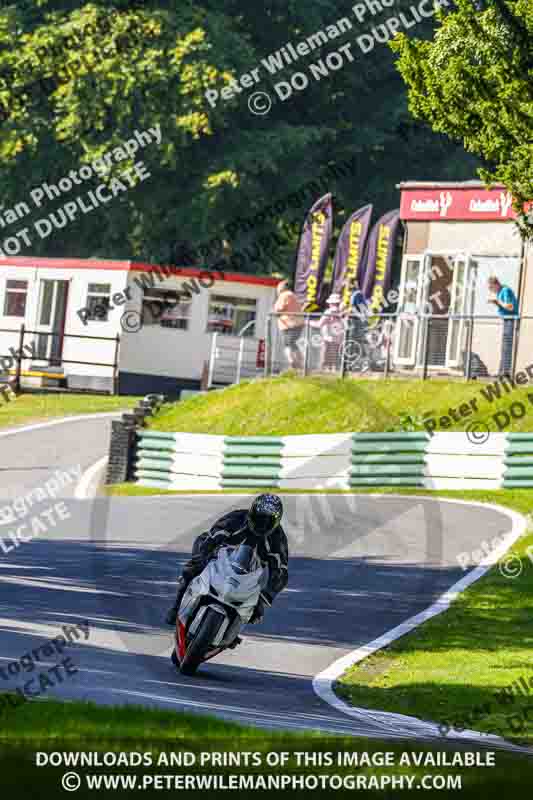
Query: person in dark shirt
[{"x": 506, "y": 304}]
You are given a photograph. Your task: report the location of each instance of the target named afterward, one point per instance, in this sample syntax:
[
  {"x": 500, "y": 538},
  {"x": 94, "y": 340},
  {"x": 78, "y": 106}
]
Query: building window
[
  {"x": 231, "y": 314},
  {"x": 98, "y": 300},
  {"x": 506, "y": 269},
  {"x": 15, "y": 299},
  {"x": 170, "y": 309}
]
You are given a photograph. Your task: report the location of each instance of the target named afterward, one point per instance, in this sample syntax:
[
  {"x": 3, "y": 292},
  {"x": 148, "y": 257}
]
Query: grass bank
[
  {"x": 63, "y": 728},
  {"x": 39, "y": 407},
  {"x": 292, "y": 405},
  {"x": 472, "y": 666}
]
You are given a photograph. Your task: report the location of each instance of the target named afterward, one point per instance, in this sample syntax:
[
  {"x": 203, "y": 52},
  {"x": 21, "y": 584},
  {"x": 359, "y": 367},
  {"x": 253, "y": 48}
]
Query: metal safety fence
[
  {"x": 37, "y": 355},
  {"x": 233, "y": 359},
  {"x": 402, "y": 344}
]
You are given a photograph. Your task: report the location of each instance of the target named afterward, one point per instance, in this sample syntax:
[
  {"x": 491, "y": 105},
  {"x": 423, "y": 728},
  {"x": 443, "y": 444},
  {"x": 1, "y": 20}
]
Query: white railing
[{"x": 233, "y": 358}]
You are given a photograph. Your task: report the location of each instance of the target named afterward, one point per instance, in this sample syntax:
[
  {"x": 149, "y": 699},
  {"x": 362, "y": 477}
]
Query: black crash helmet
[{"x": 265, "y": 514}]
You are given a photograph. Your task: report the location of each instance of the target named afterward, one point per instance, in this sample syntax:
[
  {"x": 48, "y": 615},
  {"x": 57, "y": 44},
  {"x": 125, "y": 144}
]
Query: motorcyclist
[{"x": 261, "y": 525}]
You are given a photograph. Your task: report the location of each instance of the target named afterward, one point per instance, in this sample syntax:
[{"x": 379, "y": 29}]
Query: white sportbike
[{"x": 217, "y": 604}]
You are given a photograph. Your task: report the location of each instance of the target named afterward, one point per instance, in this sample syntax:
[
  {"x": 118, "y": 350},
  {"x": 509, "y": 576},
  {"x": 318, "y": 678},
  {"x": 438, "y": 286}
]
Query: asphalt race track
[{"x": 359, "y": 566}]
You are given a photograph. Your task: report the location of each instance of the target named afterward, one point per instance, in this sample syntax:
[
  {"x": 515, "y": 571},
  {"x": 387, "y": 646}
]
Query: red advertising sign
[{"x": 465, "y": 204}]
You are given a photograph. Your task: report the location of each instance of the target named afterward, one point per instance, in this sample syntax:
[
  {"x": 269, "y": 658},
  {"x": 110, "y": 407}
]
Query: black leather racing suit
[{"x": 232, "y": 529}]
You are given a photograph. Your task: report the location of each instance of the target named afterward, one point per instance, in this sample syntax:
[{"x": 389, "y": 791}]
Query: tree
[
  {"x": 78, "y": 78},
  {"x": 474, "y": 82}
]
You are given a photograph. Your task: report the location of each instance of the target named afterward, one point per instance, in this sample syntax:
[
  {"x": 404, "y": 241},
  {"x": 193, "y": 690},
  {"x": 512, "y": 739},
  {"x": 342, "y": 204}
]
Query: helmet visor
[{"x": 262, "y": 524}]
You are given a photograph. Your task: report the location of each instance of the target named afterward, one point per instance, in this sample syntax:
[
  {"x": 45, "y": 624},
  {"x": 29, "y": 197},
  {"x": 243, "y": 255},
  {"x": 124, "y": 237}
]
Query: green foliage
[
  {"x": 474, "y": 82},
  {"x": 78, "y": 78},
  {"x": 408, "y": 422}
]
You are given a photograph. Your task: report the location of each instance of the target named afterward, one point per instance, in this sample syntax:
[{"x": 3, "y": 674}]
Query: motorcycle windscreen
[
  {"x": 243, "y": 559},
  {"x": 223, "y": 569}
]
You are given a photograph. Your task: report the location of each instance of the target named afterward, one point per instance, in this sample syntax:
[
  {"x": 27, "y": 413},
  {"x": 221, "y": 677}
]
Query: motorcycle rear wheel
[{"x": 201, "y": 642}]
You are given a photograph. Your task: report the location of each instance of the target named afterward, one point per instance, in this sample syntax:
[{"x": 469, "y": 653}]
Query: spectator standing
[
  {"x": 290, "y": 323},
  {"x": 506, "y": 304},
  {"x": 357, "y": 326},
  {"x": 332, "y": 333}
]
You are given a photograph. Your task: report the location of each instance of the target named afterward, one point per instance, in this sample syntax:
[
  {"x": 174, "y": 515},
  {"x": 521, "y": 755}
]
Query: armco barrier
[
  {"x": 453, "y": 461},
  {"x": 388, "y": 459},
  {"x": 251, "y": 461},
  {"x": 178, "y": 460},
  {"x": 518, "y": 461},
  {"x": 189, "y": 461}
]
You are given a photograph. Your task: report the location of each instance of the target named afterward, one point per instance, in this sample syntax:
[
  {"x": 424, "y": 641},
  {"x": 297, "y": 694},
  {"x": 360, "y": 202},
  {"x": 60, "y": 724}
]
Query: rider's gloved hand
[{"x": 259, "y": 613}]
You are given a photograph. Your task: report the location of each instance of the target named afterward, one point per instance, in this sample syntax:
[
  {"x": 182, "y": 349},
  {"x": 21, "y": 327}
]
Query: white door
[
  {"x": 51, "y": 320},
  {"x": 462, "y": 304},
  {"x": 411, "y": 301}
]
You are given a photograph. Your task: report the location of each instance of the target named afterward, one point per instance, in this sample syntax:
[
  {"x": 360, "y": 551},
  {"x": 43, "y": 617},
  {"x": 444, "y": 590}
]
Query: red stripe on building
[
  {"x": 195, "y": 272},
  {"x": 185, "y": 272},
  {"x": 63, "y": 263}
]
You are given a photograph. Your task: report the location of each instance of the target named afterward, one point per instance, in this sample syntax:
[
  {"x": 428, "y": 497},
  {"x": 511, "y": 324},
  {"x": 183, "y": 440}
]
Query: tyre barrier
[
  {"x": 188, "y": 461},
  {"x": 123, "y": 441}
]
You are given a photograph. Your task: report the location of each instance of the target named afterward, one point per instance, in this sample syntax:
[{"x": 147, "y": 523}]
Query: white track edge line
[
  {"x": 38, "y": 425},
  {"x": 83, "y": 489},
  {"x": 323, "y": 681}
]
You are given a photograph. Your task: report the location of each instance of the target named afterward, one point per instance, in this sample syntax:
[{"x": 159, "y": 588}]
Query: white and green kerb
[{"x": 189, "y": 461}]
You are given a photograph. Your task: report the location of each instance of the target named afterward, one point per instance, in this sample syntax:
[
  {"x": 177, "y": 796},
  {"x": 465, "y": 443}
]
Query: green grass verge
[
  {"x": 133, "y": 490},
  {"x": 454, "y": 668},
  {"x": 291, "y": 405},
  {"x": 38, "y": 407},
  {"x": 53, "y": 727},
  {"x": 50, "y": 719}
]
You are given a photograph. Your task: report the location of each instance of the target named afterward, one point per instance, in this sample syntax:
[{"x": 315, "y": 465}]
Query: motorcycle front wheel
[{"x": 201, "y": 642}]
